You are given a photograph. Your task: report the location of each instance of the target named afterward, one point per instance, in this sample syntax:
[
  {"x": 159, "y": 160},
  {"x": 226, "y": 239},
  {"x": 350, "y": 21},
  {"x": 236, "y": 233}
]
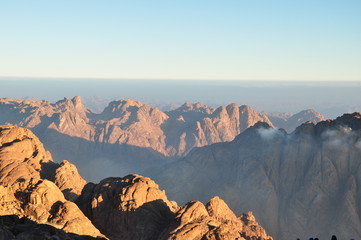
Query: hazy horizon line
[{"x": 176, "y": 79}]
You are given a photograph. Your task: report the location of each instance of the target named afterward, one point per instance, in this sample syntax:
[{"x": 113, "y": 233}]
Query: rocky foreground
[{"x": 37, "y": 202}]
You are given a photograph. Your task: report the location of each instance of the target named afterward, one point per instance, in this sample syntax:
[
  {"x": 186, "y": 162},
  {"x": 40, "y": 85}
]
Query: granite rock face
[
  {"x": 27, "y": 189},
  {"x": 214, "y": 221},
  {"x": 302, "y": 184},
  {"x": 134, "y": 207},
  {"x": 69, "y": 180},
  {"x": 22, "y": 155}
]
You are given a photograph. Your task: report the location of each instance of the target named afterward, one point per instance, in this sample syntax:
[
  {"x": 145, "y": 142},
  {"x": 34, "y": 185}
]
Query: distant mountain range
[
  {"x": 290, "y": 122},
  {"x": 128, "y": 136},
  {"x": 298, "y": 184}
]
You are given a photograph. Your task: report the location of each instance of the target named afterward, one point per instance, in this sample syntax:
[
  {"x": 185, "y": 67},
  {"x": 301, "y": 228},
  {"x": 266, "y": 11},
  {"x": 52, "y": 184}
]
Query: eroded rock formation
[
  {"x": 27, "y": 189},
  {"x": 134, "y": 207}
]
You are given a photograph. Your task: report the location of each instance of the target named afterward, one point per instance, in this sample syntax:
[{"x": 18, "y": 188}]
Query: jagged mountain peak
[
  {"x": 74, "y": 105},
  {"x": 305, "y": 129},
  {"x": 260, "y": 124},
  {"x": 129, "y": 102},
  {"x": 246, "y": 108},
  {"x": 348, "y": 122},
  {"x": 290, "y": 121},
  {"x": 195, "y": 107},
  {"x": 352, "y": 120},
  {"x": 232, "y": 107},
  {"x": 120, "y": 106},
  {"x": 77, "y": 101}
]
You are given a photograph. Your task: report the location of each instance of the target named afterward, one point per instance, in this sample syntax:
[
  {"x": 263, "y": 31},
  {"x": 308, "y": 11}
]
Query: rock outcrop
[
  {"x": 302, "y": 184},
  {"x": 69, "y": 180},
  {"x": 214, "y": 221},
  {"x": 134, "y": 207},
  {"x": 13, "y": 227},
  {"x": 22, "y": 156},
  {"x": 27, "y": 188}
]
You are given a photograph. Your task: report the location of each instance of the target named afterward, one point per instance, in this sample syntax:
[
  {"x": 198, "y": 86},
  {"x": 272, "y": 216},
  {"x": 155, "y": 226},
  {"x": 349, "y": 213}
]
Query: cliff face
[
  {"x": 34, "y": 192},
  {"x": 302, "y": 184}
]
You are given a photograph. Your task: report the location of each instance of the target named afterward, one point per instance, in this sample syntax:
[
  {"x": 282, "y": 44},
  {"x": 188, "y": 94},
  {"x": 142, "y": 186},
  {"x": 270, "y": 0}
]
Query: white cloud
[{"x": 267, "y": 133}]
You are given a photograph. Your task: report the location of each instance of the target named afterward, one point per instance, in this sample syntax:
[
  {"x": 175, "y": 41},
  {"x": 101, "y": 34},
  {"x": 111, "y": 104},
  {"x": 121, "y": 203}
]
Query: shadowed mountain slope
[{"x": 307, "y": 183}]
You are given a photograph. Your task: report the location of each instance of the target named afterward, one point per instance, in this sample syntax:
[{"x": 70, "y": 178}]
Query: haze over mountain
[
  {"x": 274, "y": 174},
  {"x": 131, "y": 122},
  {"x": 302, "y": 184},
  {"x": 331, "y": 99},
  {"x": 132, "y": 207},
  {"x": 127, "y": 136}
]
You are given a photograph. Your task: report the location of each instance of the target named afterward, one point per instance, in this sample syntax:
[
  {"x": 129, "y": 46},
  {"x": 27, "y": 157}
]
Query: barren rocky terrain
[{"x": 37, "y": 202}]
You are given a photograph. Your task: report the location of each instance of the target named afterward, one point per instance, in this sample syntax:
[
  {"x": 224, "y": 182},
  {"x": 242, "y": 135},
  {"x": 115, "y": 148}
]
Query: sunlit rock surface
[
  {"x": 27, "y": 189},
  {"x": 134, "y": 207}
]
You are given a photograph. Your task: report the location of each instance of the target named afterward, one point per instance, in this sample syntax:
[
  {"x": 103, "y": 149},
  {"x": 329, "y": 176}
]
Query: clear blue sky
[{"x": 182, "y": 39}]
